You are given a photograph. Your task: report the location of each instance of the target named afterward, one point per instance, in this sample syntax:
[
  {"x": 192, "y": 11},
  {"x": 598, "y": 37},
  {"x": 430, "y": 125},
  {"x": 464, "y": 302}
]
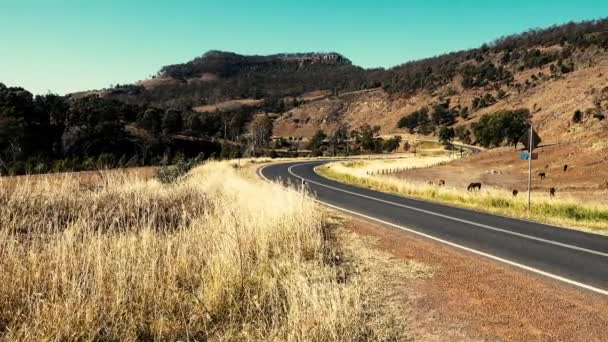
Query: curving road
[{"x": 570, "y": 256}]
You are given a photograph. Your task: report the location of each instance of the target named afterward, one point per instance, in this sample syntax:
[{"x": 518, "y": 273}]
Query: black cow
[
  {"x": 542, "y": 175},
  {"x": 552, "y": 192},
  {"x": 515, "y": 192}
]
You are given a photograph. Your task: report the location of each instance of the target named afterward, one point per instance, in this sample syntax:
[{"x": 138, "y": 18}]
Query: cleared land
[
  {"x": 564, "y": 211},
  {"x": 586, "y": 178}
]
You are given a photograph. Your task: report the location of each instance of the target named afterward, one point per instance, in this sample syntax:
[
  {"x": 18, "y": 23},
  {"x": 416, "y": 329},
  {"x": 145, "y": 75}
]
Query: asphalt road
[{"x": 570, "y": 256}]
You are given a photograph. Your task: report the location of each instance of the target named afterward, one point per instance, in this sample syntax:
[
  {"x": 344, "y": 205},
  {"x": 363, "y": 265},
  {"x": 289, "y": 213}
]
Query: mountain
[
  {"x": 220, "y": 76},
  {"x": 556, "y": 77}
]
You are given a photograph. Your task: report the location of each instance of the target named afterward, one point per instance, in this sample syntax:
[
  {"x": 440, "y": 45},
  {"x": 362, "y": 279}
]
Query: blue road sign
[{"x": 525, "y": 156}]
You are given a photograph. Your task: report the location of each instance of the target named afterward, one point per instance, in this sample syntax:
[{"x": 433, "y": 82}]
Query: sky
[{"x": 64, "y": 46}]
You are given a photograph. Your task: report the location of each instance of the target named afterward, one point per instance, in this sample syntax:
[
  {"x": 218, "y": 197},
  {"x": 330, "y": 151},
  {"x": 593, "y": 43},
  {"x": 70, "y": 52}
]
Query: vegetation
[
  {"x": 503, "y": 126},
  {"x": 565, "y": 212},
  {"x": 137, "y": 125},
  {"x": 218, "y": 76},
  {"x": 416, "y": 119},
  {"x": 577, "y": 116},
  {"x": 446, "y": 135},
  {"x": 125, "y": 258}
]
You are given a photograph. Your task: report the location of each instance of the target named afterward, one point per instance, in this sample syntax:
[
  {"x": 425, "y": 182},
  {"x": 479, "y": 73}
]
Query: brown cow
[{"x": 474, "y": 186}]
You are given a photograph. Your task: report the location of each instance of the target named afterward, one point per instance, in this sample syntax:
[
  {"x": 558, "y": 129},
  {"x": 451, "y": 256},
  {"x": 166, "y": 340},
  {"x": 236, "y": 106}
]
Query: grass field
[
  {"x": 215, "y": 256},
  {"x": 565, "y": 212}
]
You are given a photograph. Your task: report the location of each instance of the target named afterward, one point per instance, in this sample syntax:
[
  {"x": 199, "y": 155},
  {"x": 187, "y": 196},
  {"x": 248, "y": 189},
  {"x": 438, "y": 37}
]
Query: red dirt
[{"x": 480, "y": 298}]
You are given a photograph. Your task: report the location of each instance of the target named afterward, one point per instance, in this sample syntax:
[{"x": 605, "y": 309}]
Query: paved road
[{"x": 578, "y": 258}]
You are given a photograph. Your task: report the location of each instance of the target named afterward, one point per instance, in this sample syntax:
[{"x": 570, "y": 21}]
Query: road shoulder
[{"x": 474, "y": 298}]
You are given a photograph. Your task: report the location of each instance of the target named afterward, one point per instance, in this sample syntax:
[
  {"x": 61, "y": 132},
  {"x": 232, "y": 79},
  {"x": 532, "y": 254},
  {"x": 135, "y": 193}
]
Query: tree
[
  {"x": 446, "y": 135},
  {"x": 392, "y": 144},
  {"x": 171, "y": 122},
  {"x": 368, "y": 136},
  {"x": 414, "y": 119},
  {"x": 339, "y": 138},
  {"x": 261, "y": 131},
  {"x": 316, "y": 141},
  {"x": 442, "y": 115},
  {"x": 463, "y": 134},
  {"x": 494, "y": 129},
  {"x": 151, "y": 119}
]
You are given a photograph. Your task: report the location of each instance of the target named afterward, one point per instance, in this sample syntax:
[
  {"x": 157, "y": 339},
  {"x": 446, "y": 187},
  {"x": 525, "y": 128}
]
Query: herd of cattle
[{"x": 477, "y": 185}]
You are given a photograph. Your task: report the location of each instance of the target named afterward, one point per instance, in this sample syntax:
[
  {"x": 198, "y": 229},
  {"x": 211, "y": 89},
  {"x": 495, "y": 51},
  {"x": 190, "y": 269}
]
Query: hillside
[{"x": 218, "y": 97}]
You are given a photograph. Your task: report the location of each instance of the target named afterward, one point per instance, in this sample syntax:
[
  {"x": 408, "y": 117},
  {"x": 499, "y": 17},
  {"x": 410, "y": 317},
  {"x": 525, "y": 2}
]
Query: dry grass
[
  {"x": 566, "y": 212},
  {"x": 360, "y": 168},
  {"x": 215, "y": 256}
]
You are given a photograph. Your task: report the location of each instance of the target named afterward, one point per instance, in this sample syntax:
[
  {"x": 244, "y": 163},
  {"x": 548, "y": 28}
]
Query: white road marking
[
  {"x": 509, "y": 262},
  {"x": 453, "y": 218}
]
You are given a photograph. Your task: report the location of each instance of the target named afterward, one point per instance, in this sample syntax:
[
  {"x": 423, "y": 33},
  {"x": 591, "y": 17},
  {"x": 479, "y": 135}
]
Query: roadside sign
[{"x": 526, "y": 156}]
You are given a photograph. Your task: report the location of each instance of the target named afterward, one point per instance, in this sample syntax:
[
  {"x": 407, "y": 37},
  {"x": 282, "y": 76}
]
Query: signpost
[{"x": 530, "y": 139}]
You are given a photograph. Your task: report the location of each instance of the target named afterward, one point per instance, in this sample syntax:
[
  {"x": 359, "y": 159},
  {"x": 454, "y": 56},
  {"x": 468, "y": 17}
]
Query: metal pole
[{"x": 529, "y": 168}]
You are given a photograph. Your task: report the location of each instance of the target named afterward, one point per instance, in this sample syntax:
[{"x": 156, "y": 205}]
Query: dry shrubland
[{"x": 213, "y": 256}]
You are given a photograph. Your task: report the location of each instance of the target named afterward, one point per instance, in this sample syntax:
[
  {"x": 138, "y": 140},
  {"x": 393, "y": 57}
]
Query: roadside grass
[
  {"x": 213, "y": 256},
  {"x": 565, "y": 212}
]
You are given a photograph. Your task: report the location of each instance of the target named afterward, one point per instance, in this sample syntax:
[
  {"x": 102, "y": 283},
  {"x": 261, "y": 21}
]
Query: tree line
[{"x": 57, "y": 133}]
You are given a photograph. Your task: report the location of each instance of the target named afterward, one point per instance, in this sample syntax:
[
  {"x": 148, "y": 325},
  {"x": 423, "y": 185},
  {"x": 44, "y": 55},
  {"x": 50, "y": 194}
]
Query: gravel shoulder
[{"x": 471, "y": 298}]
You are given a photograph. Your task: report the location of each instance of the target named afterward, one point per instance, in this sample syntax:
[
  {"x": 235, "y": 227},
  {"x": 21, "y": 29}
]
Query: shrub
[
  {"x": 577, "y": 116},
  {"x": 178, "y": 171}
]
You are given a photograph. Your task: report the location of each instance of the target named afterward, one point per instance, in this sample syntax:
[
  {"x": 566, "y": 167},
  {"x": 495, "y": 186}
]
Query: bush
[
  {"x": 577, "y": 116},
  {"x": 177, "y": 172}
]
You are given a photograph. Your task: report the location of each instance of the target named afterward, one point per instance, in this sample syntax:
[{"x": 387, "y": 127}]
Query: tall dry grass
[
  {"x": 215, "y": 256},
  {"x": 566, "y": 212}
]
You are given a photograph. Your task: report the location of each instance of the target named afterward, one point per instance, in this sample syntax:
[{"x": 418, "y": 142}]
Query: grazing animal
[
  {"x": 565, "y": 167},
  {"x": 431, "y": 183},
  {"x": 441, "y": 182},
  {"x": 474, "y": 186},
  {"x": 515, "y": 192},
  {"x": 547, "y": 166},
  {"x": 552, "y": 192},
  {"x": 542, "y": 175}
]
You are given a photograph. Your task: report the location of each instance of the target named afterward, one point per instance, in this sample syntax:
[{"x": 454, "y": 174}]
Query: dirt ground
[
  {"x": 586, "y": 177},
  {"x": 472, "y": 298}
]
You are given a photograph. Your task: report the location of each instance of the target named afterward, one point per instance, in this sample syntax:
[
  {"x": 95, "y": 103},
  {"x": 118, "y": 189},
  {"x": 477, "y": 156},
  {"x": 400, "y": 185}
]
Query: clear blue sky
[{"x": 71, "y": 45}]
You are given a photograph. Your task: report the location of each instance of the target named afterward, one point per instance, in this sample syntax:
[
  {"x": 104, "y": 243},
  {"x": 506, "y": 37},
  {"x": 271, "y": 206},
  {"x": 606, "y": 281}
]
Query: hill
[{"x": 544, "y": 75}]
